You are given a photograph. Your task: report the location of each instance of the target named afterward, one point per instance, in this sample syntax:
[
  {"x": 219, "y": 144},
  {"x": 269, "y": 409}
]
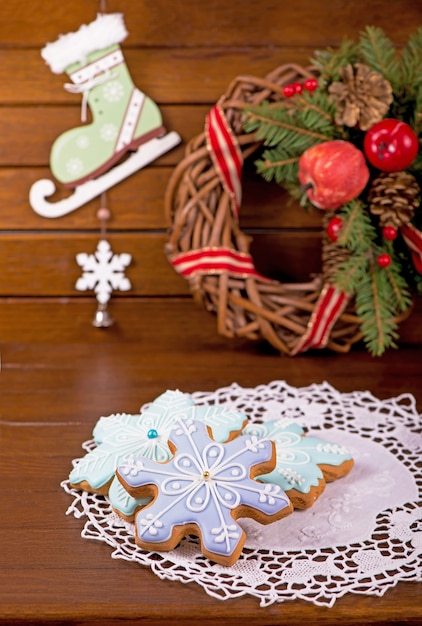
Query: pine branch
[
  {"x": 329, "y": 61},
  {"x": 380, "y": 292},
  {"x": 378, "y": 325},
  {"x": 288, "y": 128},
  {"x": 287, "y": 133},
  {"x": 277, "y": 165},
  {"x": 416, "y": 123},
  {"x": 317, "y": 101},
  {"x": 350, "y": 273},
  {"x": 358, "y": 232},
  {"x": 268, "y": 128},
  {"x": 411, "y": 61},
  {"x": 418, "y": 285},
  {"x": 401, "y": 298},
  {"x": 379, "y": 53}
]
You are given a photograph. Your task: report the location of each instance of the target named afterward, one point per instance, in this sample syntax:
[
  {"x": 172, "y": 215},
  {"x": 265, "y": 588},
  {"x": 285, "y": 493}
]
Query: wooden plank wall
[{"x": 184, "y": 55}]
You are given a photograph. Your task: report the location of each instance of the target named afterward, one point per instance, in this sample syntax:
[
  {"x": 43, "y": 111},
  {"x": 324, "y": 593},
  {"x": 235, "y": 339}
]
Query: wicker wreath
[{"x": 198, "y": 207}]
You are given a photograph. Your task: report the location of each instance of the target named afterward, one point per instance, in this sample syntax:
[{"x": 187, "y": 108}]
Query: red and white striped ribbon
[
  {"x": 225, "y": 154},
  {"x": 328, "y": 309},
  {"x": 216, "y": 261},
  {"x": 228, "y": 160},
  {"x": 413, "y": 239}
]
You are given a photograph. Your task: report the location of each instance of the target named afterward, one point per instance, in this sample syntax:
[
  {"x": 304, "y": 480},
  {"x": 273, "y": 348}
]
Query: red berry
[
  {"x": 334, "y": 226},
  {"x": 389, "y": 233},
  {"x": 289, "y": 91},
  {"x": 310, "y": 84},
  {"x": 298, "y": 87},
  {"x": 384, "y": 260}
]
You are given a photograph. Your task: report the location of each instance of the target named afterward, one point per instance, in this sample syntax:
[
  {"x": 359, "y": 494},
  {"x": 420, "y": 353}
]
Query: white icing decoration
[
  {"x": 121, "y": 436},
  {"x": 291, "y": 476},
  {"x": 298, "y": 455},
  {"x": 333, "y": 448},
  {"x": 283, "y": 563},
  {"x": 213, "y": 484}
]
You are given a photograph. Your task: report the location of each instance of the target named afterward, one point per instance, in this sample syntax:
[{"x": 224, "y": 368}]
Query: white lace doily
[{"x": 362, "y": 536}]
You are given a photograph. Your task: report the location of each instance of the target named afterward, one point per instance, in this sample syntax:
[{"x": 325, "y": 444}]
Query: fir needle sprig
[{"x": 377, "y": 272}]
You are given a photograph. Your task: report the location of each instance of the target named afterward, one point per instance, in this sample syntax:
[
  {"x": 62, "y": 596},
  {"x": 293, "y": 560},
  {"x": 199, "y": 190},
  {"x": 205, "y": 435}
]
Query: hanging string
[
  {"x": 102, "y": 318},
  {"x": 103, "y": 214}
]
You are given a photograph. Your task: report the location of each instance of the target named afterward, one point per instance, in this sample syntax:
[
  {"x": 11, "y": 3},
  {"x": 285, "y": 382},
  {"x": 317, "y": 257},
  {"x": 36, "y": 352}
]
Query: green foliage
[
  {"x": 379, "y": 53},
  {"x": 380, "y": 293},
  {"x": 416, "y": 122},
  {"x": 329, "y": 61},
  {"x": 287, "y": 132},
  {"x": 289, "y": 127},
  {"x": 400, "y": 295},
  {"x": 418, "y": 285},
  {"x": 374, "y": 309},
  {"x": 411, "y": 62},
  {"x": 358, "y": 232},
  {"x": 403, "y": 71}
]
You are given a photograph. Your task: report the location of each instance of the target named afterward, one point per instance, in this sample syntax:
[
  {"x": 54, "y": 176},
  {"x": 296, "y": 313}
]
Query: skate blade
[{"x": 44, "y": 188}]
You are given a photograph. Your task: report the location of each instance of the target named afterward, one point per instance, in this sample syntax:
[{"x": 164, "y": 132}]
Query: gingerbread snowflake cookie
[
  {"x": 202, "y": 490},
  {"x": 304, "y": 463},
  {"x": 121, "y": 436}
]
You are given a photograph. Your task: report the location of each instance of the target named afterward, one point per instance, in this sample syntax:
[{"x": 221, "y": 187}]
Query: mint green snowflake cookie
[
  {"x": 304, "y": 464},
  {"x": 123, "y": 436}
]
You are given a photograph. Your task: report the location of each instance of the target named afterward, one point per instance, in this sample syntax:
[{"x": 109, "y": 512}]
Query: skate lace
[{"x": 85, "y": 88}]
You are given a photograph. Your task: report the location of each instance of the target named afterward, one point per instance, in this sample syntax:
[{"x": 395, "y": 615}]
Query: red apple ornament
[
  {"x": 391, "y": 145},
  {"x": 333, "y": 173}
]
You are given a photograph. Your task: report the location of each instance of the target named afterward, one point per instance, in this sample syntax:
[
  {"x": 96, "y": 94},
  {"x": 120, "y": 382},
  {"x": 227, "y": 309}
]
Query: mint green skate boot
[
  {"x": 123, "y": 118},
  {"x": 126, "y": 132}
]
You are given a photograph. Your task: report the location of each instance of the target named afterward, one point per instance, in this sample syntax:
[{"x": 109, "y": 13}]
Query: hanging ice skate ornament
[
  {"x": 103, "y": 273},
  {"x": 342, "y": 136},
  {"x": 89, "y": 159}
]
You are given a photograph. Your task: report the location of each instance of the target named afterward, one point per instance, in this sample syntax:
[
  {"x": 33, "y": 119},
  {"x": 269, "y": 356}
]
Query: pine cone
[
  {"x": 332, "y": 256},
  {"x": 362, "y": 97},
  {"x": 394, "y": 196}
]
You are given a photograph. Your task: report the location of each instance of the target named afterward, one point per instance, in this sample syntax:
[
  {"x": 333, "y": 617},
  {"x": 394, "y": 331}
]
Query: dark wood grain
[
  {"x": 26, "y": 135},
  {"x": 138, "y": 204},
  {"x": 59, "y": 374},
  {"x": 44, "y": 263},
  {"x": 28, "y": 79},
  {"x": 304, "y": 22}
]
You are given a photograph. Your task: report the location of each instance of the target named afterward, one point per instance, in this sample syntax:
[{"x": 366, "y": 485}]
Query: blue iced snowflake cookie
[
  {"x": 122, "y": 436},
  {"x": 202, "y": 490},
  {"x": 304, "y": 464}
]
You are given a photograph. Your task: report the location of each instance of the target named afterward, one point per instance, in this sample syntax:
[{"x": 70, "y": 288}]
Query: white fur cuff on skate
[{"x": 104, "y": 31}]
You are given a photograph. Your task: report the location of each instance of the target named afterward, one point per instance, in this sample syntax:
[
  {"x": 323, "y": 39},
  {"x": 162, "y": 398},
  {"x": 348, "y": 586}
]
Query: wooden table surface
[{"x": 59, "y": 375}]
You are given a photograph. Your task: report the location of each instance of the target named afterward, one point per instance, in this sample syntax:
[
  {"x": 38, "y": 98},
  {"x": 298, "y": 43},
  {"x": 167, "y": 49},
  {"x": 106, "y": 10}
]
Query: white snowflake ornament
[{"x": 103, "y": 272}]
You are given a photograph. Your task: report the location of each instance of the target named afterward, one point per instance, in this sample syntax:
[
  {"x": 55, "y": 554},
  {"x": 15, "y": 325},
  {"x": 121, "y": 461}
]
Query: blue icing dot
[{"x": 152, "y": 434}]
